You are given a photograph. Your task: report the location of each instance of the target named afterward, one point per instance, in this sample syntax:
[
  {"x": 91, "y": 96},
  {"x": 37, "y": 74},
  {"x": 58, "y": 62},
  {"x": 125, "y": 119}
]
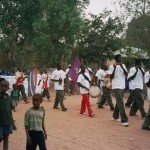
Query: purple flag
[{"x": 73, "y": 72}]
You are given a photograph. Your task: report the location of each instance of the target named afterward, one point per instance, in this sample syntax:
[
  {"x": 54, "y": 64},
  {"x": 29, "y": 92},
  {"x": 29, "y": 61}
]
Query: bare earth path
[{"x": 72, "y": 131}]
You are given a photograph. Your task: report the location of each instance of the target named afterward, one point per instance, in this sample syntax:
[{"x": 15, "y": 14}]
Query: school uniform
[
  {"x": 146, "y": 123},
  {"x": 59, "y": 87},
  {"x": 118, "y": 86},
  {"x": 85, "y": 93},
  {"x": 137, "y": 85},
  {"x": 106, "y": 95},
  {"x": 130, "y": 98}
]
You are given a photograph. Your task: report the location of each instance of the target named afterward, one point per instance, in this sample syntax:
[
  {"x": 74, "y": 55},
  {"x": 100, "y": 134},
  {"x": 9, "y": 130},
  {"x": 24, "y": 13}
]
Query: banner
[
  {"x": 33, "y": 80},
  {"x": 73, "y": 72}
]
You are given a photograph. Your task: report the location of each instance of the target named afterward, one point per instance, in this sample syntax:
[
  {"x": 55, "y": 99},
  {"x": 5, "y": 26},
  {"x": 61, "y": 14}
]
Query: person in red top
[
  {"x": 45, "y": 79},
  {"x": 20, "y": 77}
]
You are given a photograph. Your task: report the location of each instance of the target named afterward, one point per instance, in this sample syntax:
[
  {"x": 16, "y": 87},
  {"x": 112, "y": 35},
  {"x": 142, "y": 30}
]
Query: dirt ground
[{"x": 72, "y": 131}]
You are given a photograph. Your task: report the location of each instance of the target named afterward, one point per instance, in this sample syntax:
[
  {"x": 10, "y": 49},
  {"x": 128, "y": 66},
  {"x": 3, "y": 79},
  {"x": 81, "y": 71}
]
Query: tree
[
  {"x": 16, "y": 27},
  {"x": 134, "y": 8},
  {"x": 40, "y": 31},
  {"x": 56, "y": 28},
  {"x": 99, "y": 38},
  {"x": 138, "y": 33},
  {"x": 138, "y": 29}
]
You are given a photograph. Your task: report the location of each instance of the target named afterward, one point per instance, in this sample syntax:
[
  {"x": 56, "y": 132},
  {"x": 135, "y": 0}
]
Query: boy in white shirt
[
  {"x": 118, "y": 72},
  {"x": 136, "y": 79}
]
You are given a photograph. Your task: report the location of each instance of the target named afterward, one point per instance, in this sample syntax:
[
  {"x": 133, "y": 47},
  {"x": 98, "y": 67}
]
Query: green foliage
[
  {"x": 134, "y": 8},
  {"x": 138, "y": 33},
  {"x": 99, "y": 38},
  {"x": 39, "y": 31}
]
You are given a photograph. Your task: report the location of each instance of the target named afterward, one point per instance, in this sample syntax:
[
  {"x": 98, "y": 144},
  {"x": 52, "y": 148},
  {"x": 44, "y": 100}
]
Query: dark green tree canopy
[
  {"x": 138, "y": 33},
  {"x": 40, "y": 30},
  {"x": 99, "y": 38}
]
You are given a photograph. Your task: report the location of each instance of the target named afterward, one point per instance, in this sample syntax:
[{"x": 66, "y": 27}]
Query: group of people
[
  {"x": 109, "y": 80},
  {"x": 113, "y": 79}
]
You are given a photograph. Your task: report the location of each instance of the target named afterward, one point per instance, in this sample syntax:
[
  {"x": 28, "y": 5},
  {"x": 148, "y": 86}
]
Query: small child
[
  {"x": 6, "y": 119},
  {"x": 34, "y": 124},
  {"x": 15, "y": 96}
]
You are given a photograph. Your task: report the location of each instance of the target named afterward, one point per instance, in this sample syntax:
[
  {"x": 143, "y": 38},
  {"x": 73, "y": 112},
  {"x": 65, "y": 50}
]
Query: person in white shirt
[
  {"x": 136, "y": 78},
  {"x": 102, "y": 75},
  {"x": 46, "y": 79},
  {"x": 130, "y": 98},
  {"x": 87, "y": 69},
  {"x": 146, "y": 123},
  {"x": 83, "y": 81},
  {"x": 118, "y": 72},
  {"x": 58, "y": 76}
]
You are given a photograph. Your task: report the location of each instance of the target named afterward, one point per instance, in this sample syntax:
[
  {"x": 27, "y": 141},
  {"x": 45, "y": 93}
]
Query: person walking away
[
  {"x": 15, "y": 96},
  {"x": 84, "y": 84},
  {"x": 146, "y": 123},
  {"x": 118, "y": 72},
  {"x": 6, "y": 118},
  {"x": 58, "y": 76},
  {"x": 20, "y": 77},
  {"x": 136, "y": 78}
]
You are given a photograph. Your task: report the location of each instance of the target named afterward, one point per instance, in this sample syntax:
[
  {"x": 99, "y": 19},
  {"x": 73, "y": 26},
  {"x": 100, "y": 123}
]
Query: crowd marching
[{"x": 110, "y": 81}]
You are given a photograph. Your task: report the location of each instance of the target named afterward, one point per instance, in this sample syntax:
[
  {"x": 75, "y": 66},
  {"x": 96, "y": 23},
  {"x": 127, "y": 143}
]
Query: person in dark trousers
[
  {"x": 118, "y": 73},
  {"x": 20, "y": 77},
  {"x": 34, "y": 125},
  {"x": 45, "y": 79},
  {"x": 15, "y": 96},
  {"x": 104, "y": 80},
  {"x": 136, "y": 75},
  {"x": 58, "y": 76},
  {"x": 146, "y": 123}
]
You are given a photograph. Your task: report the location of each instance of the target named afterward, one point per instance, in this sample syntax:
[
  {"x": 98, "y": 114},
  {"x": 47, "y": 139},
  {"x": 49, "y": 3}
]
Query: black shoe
[
  {"x": 132, "y": 115},
  {"x": 64, "y": 109},
  {"x": 101, "y": 107},
  {"x": 146, "y": 128},
  {"x": 112, "y": 109},
  {"x": 127, "y": 105},
  {"x": 56, "y": 108},
  {"x": 143, "y": 116}
]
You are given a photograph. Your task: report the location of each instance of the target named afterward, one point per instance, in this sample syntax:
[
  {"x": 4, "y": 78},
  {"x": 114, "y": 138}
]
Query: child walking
[
  {"x": 14, "y": 96},
  {"x": 34, "y": 124},
  {"x": 6, "y": 119}
]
